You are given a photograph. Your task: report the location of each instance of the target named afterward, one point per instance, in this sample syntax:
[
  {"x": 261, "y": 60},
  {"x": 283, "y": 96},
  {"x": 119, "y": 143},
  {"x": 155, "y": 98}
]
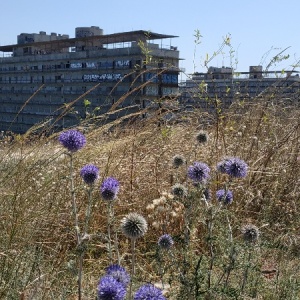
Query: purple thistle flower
[
  {"x": 234, "y": 167},
  {"x": 89, "y": 174},
  {"x": 110, "y": 188},
  {"x": 165, "y": 242},
  {"x": 109, "y": 288},
  {"x": 73, "y": 140},
  {"x": 199, "y": 172},
  {"x": 148, "y": 292},
  {"x": 119, "y": 273},
  {"x": 221, "y": 165},
  {"x": 224, "y": 196}
]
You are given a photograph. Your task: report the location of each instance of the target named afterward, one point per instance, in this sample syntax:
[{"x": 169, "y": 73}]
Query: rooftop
[{"x": 104, "y": 39}]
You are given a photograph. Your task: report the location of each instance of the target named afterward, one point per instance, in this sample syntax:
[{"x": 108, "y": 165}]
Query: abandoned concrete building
[
  {"x": 224, "y": 84},
  {"x": 53, "y": 78}
]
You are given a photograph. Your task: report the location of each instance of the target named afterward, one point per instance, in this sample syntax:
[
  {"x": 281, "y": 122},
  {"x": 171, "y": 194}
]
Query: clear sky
[{"x": 259, "y": 29}]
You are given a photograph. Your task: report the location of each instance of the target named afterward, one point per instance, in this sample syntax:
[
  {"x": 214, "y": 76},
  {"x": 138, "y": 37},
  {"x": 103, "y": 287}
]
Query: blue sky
[{"x": 259, "y": 29}]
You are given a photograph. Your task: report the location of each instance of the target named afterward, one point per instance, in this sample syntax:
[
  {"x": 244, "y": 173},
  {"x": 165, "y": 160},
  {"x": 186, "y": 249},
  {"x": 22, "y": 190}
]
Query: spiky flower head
[
  {"x": 221, "y": 165},
  {"x": 73, "y": 140},
  {"x": 178, "y": 160},
  {"x": 119, "y": 273},
  {"x": 179, "y": 190},
  {"x": 250, "y": 233},
  {"x": 165, "y": 241},
  {"x": 202, "y": 137},
  {"x": 109, "y": 288},
  {"x": 224, "y": 196},
  {"x": 233, "y": 166},
  {"x": 134, "y": 226},
  {"x": 148, "y": 292},
  {"x": 89, "y": 174},
  {"x": 109, "y": 188},
  {"x": 198, "y": 172}
]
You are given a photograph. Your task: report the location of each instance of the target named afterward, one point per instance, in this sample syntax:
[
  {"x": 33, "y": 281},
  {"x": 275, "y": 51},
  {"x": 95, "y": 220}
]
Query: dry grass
[{"x": 37, "y": 241}]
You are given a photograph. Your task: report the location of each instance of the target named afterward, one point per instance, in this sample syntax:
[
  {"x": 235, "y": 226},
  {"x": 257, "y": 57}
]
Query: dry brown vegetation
[{"x": 37, "y": 240}]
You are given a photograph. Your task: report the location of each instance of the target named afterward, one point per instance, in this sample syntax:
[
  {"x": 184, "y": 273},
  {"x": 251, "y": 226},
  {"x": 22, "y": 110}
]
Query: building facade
[
  {"x": 224, "y": 85},
  {"x": 56, "y": 79}
]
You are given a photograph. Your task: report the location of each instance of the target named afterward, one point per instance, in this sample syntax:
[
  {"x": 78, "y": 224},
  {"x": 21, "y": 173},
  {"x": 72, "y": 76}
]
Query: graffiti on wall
[
  {"x": 122, "y": 63},
  {"x": 109, "y": 77}
]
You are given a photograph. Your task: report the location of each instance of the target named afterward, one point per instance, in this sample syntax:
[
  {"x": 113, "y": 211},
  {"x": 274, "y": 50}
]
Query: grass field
[{"x": 209, "y": 259}]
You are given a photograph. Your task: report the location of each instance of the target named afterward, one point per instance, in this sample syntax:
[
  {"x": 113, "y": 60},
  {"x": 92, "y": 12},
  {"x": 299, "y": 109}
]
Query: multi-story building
[
  {"x": 203, "y": 90},
  {"x": 55, "y": 79}
]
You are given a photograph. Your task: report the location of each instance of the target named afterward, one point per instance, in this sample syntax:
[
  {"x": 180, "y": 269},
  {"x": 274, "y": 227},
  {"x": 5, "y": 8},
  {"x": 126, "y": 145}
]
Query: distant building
[
  {"x": 227, "y": 86},
  {"x": 46, "y": 76}
]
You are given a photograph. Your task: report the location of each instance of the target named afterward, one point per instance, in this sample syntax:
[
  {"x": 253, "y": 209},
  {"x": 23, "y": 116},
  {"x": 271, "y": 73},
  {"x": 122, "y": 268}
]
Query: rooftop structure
[{"x": 44, "y": 76}]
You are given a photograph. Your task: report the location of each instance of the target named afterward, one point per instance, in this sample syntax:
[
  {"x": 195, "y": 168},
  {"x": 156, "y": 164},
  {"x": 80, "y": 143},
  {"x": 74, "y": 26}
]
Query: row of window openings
[
  {"x": 118, "y": 64},
  {"x": 59, "y": 88},
  {"x": 57, "y": 78}
]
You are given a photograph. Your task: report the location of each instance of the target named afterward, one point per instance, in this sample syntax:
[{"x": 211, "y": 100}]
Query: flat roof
[{"x": 121, "y": 37}]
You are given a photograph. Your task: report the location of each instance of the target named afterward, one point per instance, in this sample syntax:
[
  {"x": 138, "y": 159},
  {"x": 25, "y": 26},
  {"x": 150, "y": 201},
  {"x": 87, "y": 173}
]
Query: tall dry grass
[{"x": 37, "y": 240}]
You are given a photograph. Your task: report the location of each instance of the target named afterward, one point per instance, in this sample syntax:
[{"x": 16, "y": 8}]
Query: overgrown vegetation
[
  {"x": 56, "y": 227},
  {"x": 38, "y": 241}
]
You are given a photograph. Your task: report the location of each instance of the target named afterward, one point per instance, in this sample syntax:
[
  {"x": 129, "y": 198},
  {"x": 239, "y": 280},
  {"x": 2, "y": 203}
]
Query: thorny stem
[
  {"x": 74, "y": 200},
  {"x": 229, "y": 229},
  {"x": 116, "y": 244},
  {"x": 79, "y": 281},
  {"x": 211, "y": 250},
  {"x": 109, "y": 230},
  {"x": 245, "y": 277},
  {"x": 88, "y": 210},
  {"x": 160, "y": 266},
  {"x": 132, "y": 266}
]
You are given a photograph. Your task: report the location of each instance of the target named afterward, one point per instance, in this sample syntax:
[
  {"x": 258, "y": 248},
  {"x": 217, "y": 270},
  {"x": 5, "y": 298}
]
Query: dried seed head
[
  {"x": 134, "y": 226},
  {"x": 250, "y": 233},
  {"x": 179, "y": 190},
  {"x": 178, "y": 160},
  {"x": 202, "y": 137}
]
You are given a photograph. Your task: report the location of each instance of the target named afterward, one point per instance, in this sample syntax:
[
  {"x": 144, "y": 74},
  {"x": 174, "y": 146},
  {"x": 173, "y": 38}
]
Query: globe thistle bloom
[
  {"x": 179, "y": 190},
  {"x": 119, "y": 273},
  {"x": 178, "y": 160},
  {"x": 134, "y": 226},
  {"x": 199, "y": 172},
  {"x": 110, "y": 188},
  {"x": 250, "y": 233},
  {"x": 224, "y": 196},
  {"x": 89, "y": 174},
  {"x": 165, "y": 242},
  {"x": 202, "y": 137},
  {"x": 148, "y": 292},
  {"x": 234, "y": 167},
  {"x": 109, "y": 288},
  {"x": 73, "y": 140},
  {"x": 221, "y": 166}
]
